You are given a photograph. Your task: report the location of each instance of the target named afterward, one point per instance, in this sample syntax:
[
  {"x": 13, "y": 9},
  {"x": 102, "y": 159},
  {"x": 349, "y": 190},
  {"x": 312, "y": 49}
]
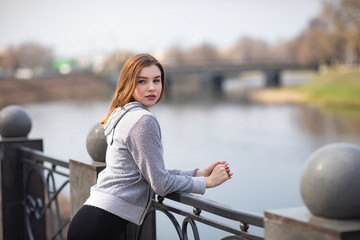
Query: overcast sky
[{"x": 74, "y": 27}]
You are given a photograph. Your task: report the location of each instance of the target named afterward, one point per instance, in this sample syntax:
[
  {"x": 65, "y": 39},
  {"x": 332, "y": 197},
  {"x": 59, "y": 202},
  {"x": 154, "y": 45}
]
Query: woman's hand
[
  {"x": 207, "y": 171},
  {"x": 219, "y": 175}
]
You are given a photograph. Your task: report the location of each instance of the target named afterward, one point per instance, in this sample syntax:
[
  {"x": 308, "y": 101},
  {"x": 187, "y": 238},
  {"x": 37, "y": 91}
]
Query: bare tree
[
  {"x": 28, "y": 55},
  {"x": 115, "y": 61},
  {"x": 33, "y": 55},
  {"x": 248, "y": 50},
  {"x": 351, "y": 10},
  {"x": 204, "y": 54},
  {"x": 342, "y": 18},
  {"x": 174, "y": 56},
  {"x": 8, "y": 60},
  {"x": 316, "y": 43}
]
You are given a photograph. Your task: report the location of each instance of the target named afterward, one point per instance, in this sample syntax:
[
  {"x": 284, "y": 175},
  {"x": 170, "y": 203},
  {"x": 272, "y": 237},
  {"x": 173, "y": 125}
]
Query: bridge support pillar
[
  {"x": 168, "y": 88},
  {"x": 211, "y": 85},
  {"x": 272, "y": 78},
  {"x": 217, "y": 83}
]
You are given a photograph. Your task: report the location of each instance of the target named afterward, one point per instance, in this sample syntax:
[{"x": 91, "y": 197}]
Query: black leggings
[{"x": 95, "y": 223}]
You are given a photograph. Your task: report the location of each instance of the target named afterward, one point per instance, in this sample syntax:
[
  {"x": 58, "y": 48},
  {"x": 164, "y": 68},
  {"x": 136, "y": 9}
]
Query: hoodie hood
[{"x": 115, "y": 118}]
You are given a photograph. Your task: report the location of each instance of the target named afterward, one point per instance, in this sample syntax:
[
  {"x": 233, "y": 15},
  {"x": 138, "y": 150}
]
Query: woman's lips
[{"x": 150, "y": 97}]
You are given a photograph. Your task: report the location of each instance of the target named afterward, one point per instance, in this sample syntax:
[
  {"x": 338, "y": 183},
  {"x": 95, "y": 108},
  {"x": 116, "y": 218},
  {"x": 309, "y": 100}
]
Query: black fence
[
  {"x": 216, "y": 212},
  {"x": 43, "y": 180},
  {"x": 41, "y": 175}
]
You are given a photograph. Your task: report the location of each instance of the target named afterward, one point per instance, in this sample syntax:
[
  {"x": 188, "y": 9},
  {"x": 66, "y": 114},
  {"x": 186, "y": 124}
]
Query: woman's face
[{"x": 148, "y": 86}]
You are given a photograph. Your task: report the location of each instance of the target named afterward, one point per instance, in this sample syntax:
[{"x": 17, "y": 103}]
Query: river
[{"x": 265, "y": 145}]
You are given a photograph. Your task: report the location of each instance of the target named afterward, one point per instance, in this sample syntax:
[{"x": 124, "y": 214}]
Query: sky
[{"x": 82, "y": 27}]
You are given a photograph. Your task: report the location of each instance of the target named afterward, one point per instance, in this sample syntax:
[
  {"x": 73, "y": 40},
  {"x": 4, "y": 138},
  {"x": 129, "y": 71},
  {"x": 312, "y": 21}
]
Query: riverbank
[
  {"x": 337, "y": 90},
  {"x": 73, "y": 87},
  {"x": 278, "y": 96}
]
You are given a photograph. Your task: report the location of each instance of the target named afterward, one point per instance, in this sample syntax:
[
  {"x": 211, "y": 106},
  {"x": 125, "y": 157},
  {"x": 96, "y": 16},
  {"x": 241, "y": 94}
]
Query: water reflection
[{"x": 319, "y": 122}]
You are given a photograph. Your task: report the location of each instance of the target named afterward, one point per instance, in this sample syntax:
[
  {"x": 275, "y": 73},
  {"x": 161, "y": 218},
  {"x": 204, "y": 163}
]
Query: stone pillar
[
  {"x": 15, "y": 124},
  {"x": 330, "y": 188},
  {"x": 300, "y": 224},
  {"x": 83, "y": 175},
  {"x": 12, "y": 213}
]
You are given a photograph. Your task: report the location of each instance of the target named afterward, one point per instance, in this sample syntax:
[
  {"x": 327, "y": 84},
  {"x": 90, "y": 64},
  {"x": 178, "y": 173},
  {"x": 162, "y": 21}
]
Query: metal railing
[
  {"x": 201, "y": 204},
  {"x": 41, "y": 202}
]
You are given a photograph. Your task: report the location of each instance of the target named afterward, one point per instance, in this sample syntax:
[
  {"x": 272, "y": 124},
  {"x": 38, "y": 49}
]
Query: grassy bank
[{"x": 335, "y": 89}]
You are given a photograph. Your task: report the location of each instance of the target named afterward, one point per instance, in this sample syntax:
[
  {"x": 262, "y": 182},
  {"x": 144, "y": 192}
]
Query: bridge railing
[
  {"x": 204, "y": 206},
  {"x": 33, "y": 202},
  {"x": 45, "y": 178},
  {"x": 219, "y": 217}
]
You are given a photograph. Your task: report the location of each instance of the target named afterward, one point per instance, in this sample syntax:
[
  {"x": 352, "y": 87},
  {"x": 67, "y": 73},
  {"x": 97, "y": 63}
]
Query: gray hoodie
[{"x": 135, "y": 166}]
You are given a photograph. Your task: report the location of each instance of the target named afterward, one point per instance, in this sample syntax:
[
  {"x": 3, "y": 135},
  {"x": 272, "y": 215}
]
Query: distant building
[{"x": 24, "y": 73}]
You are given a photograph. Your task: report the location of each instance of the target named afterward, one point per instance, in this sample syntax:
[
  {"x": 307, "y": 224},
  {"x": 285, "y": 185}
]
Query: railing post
[
  {"x": 14, "y": 127},
  {"x": 11, "y": 188},
  {"x": 330, "y": 188}
]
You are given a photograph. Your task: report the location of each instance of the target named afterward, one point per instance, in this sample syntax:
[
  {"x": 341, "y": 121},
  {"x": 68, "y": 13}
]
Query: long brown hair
[{"x": 127, "y": 81}]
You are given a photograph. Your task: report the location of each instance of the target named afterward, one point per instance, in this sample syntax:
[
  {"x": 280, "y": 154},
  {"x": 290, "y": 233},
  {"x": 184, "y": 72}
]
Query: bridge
[
  {"x": 215, "y": 73},
  {"x": 210, "y": 76}
]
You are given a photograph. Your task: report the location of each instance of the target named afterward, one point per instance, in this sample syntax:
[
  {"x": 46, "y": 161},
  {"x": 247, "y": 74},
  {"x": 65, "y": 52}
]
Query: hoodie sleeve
[
  {"x": 144, "y": 143},
  {"x": 181, "y": 172}
]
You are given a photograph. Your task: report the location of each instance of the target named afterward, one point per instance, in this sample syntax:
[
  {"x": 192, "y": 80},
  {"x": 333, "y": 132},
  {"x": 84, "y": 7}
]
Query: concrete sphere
[
  {"x": 14, "y": 122},
  {"x": 330, "y": 182},
  {"x": 96, "y": 143}
]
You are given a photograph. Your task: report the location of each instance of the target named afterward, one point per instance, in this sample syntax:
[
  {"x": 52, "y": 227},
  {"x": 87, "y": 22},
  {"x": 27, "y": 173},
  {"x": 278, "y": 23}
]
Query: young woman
[{"x": 135, "y": 167}]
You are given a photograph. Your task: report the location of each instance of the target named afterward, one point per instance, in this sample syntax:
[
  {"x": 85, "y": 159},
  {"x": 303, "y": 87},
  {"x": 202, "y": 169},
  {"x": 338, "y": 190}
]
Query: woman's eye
[
  {"x": 157, "y": 80},
  {"x": 141, "y": 81}
]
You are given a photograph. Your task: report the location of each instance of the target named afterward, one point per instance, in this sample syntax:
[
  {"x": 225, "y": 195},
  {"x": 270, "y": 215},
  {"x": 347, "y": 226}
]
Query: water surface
[{"x": 265, "y": 145}]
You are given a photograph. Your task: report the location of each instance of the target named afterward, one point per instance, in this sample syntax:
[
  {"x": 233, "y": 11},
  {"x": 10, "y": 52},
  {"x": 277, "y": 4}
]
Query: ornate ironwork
[
  {"x": 200, "y": 204},
  {"x": 192, "y": 223},
  {"x": 41, "y": 202},
  {"x": 41, "y": 199}
]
